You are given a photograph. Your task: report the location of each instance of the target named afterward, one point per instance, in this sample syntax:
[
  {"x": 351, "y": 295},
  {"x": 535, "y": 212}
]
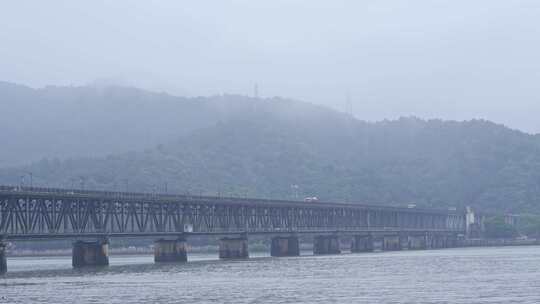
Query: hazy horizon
[
  {"x": 229, "y": 151},
  {"x": 449, "y": 60},
  {"x": 102, "y": 83}
]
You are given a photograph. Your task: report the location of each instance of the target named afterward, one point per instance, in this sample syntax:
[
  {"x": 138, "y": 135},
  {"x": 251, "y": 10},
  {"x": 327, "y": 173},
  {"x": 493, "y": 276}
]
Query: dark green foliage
[
  {"x": 96, "y": 121},
  {"x": 264, "y": 147},
  {"x": 497, "y": 228},
  {"x": 530, "y": 225}
]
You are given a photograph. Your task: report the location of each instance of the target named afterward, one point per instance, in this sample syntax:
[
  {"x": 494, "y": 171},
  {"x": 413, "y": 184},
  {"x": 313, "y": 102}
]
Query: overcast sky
[{"x": 432, "y": 59}]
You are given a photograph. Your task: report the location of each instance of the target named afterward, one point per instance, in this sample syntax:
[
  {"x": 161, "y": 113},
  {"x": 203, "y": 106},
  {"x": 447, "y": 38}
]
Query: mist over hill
[
  {"x": 274, "y": 148},
  {"x": 67, "y": 122}
]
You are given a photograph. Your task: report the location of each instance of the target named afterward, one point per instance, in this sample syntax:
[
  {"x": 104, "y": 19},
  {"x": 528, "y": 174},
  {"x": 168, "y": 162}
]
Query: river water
[{"x": 471, "y": 275}]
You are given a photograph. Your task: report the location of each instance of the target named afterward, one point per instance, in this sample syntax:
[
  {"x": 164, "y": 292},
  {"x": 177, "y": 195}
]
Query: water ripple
[{"x": 483, "y": 275}]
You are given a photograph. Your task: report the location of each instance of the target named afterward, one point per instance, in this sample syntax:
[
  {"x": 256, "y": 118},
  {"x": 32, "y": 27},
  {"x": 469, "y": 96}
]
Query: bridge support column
[
  {"x": 3, "y": 260},
  {"x": 428, "y": 241},
  {"x": 440, "y": 241},
  {"x": 453, "y": 241},
  {"x": 378, "y": 243},
  {"x": 233, "y": 248},
  {"x": 87, "y": 253},
  {"x": 446, "y": 241},
  {"x": 285, "y": 246},
  {"x": 170, "y": 250},
  {"x": 450, "y": 241},
  {"x": 391, "y": 243},
  {"x": 326, "y": 244},
  {"x": 362, "y": 243},
  {"x": 417, "y": 242},
  {"x": 437, "y": 241},
  {"x": 404, "y": 241}
]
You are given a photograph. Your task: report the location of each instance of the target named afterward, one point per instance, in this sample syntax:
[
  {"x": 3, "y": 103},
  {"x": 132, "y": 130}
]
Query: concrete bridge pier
[
  {"x": 391, "y": 243},
  {"x": 90, "y": 253},
  {"x": 428, "y": 241},
  {"x": 285, "y": 246},
  {"x": 417, "y": 242},
  {"x": 362, "y": 243},
  {"x": 435, "y": 241},
  {"x": 453, "y": 241},
  {"x": 446, "y": 241},
  {"x": 404, "y": 242},
  {"x": 3, "y": 260},
  {"x": 438, "y": 241},
  {"x": 170, "y": 250},
  {"x": 326, "y": 244},
  {"x": 233, "y": 248},
  {"x": 378, "y": 242}
]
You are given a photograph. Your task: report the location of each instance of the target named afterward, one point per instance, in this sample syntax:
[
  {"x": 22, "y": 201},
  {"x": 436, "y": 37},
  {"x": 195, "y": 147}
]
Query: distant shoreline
[
  {"x": 121, "y": 251},
  {"x": 254, "y": 248},
  {"x": 500, "y": 242}
]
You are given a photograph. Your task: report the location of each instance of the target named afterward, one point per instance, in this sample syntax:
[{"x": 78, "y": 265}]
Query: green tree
[
  {"x": 497, "y": 228},
  {"x": 530, "y": 225}
]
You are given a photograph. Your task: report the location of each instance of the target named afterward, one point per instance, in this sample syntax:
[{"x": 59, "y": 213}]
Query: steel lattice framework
[{"x": 50, "y": 213}]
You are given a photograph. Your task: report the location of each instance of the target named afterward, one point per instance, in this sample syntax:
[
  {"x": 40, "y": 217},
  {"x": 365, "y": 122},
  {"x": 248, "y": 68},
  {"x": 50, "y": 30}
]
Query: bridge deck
[
  {"x": 63, "y": 213},
  {"x": 165, "y": 197}
]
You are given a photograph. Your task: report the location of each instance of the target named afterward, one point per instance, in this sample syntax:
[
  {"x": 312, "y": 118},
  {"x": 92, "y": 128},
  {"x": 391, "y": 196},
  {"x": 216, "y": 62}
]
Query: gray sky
[{"x": 445, "y": 59}]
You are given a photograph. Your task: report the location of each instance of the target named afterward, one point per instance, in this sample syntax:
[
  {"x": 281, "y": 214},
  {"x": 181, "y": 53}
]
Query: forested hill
[
  {"x": 90, "y": 121},
  {"x": 277, "y": 144}
]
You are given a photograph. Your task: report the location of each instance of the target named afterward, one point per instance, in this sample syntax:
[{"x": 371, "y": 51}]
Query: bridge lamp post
[
  {"x": 295, "y": 190},
  {"x": 21, "y": 183},
  {"x": 83, "y": 180}
]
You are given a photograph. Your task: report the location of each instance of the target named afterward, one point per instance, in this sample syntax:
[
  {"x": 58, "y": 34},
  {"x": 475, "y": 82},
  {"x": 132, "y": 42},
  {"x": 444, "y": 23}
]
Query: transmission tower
[{"x": 348, "y": 104}]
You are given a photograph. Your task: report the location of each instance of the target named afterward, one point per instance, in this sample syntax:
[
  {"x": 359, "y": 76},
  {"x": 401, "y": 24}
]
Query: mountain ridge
[{"x": 284, "y": 149}]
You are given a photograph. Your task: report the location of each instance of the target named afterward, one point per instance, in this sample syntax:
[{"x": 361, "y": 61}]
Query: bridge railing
[{"x": 196, "y": 198}]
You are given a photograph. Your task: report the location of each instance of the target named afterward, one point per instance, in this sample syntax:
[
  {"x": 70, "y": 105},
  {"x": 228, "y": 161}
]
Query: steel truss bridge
[{"x": 34, "y": 213}]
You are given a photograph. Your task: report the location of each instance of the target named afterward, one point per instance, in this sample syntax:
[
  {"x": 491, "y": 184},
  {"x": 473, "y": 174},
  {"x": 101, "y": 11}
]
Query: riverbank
[
  {"x": 499, "y": 242},
  {"x": 133, "y": 250}
]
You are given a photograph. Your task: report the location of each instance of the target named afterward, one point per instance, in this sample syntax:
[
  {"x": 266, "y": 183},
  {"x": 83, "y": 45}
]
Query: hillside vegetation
[
  {"x": 284, "y": 149},
  {"x": 62, "y": 122}
]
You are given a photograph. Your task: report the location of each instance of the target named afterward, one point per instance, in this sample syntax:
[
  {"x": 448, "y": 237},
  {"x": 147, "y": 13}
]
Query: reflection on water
[{"x": 481, "y": 275}]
